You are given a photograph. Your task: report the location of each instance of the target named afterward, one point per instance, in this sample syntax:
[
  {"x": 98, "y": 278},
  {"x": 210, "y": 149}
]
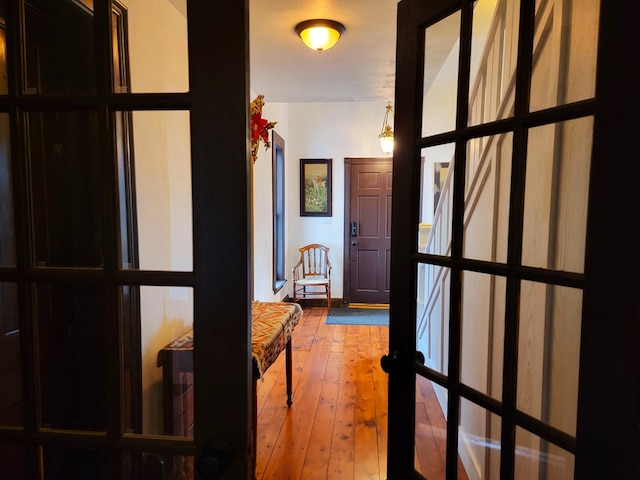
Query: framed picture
[
  {"x": 315, "y": 187},
  {"x": 440, "y": 170}
]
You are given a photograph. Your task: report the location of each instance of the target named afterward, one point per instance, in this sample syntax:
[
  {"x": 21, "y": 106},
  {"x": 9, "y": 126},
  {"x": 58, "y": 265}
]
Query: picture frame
[
  {"x": 315, "y": 187},
  {"x": 440, "y": 170}
]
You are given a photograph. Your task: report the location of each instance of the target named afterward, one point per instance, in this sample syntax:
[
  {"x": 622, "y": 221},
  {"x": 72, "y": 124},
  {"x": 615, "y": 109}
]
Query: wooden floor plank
[
  {"x": 379, "y": 347},
  {"x": 343, "y": 442},
  {"x": 316, "y": 460},
  {"x": 287, "y": 458},
  {"x": 366, "y": 450},
  {"x": 274, "y": 414}
]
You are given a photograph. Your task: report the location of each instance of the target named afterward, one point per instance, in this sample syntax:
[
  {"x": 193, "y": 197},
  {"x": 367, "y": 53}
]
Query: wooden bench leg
[
  {"x": 288, "y": 368},
  {"x": 254, "y": 421}
]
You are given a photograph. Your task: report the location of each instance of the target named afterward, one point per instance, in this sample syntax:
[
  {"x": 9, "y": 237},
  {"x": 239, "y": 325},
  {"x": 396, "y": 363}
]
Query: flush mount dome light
[{"x": 319, "y": 34}]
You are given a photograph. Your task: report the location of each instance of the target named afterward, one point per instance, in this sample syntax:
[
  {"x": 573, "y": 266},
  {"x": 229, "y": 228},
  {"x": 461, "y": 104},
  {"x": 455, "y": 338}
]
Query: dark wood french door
[
  {"x": 80, "y": 361},
  {"x": 518, "y": 307},
  {"x": 368, "y": 230}
]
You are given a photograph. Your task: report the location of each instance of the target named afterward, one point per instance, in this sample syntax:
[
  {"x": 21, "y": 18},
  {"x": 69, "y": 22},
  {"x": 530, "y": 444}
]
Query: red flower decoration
[{"x": 259, "y": 127}]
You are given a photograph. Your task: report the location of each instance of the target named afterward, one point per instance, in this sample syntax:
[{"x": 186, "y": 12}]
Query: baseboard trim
[{"x": 319, "y": 302}]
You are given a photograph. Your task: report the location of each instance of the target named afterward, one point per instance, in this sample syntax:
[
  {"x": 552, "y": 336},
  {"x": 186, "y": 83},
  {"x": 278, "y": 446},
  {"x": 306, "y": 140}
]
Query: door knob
[
  {"x": 390, "y": 362},
  {"x": 397, "y": 359},
  {"x": 215, "y": 459}
]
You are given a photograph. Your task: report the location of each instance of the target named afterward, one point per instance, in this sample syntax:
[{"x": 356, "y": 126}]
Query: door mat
[{"x": 358, "y": 316}]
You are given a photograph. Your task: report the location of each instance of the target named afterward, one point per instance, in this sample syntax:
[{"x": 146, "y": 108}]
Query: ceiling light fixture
[
  {"x": 386, "y": 135},
  {"x": 319, "y": 34}
]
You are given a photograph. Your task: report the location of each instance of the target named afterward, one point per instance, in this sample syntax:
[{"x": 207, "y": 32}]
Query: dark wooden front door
[{"x": 368, "y": 233}]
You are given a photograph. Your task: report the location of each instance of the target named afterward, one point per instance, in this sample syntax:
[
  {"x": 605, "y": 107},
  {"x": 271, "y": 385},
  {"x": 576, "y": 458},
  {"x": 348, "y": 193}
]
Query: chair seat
[{"x": 310, "y": 281}]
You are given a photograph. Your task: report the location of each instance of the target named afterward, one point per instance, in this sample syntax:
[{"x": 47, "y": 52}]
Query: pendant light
[{"x": 386, "y": 135}]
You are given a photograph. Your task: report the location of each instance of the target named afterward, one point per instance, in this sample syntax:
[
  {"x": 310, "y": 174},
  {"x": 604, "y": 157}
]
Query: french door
[
  {"x": 120, "y": 211},
  {"x": 503, "y": 315}
]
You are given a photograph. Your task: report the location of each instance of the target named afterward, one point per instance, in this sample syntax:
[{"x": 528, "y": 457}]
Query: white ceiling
[{"x": 359, "y": 68}]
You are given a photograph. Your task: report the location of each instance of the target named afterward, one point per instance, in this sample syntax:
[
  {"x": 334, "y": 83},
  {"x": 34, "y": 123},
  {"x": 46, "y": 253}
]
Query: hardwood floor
[{"x": 336, "y": 428}]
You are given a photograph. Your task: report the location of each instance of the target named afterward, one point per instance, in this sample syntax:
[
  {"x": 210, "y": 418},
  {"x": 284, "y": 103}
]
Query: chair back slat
[{"x": 315, "y": 259}]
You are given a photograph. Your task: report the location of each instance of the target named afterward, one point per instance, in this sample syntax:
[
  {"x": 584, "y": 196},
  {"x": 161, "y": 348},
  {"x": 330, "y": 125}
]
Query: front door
[
  {"x": 87, "y": 394},
  {"x": 515, "y": 314},
  {"x": 368, "y": 233}
]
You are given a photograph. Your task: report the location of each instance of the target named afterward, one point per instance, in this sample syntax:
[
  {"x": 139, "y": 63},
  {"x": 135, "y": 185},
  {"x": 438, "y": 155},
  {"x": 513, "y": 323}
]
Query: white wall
[
  {"x": 263, "y": 206},
  {"x": 158, "y": 63},
  {"x": 310, "y": 130}
]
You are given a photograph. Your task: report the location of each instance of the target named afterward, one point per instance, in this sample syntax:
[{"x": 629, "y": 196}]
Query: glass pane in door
[
  {"x": 157, "y": 325},
  {"x": 72, "y": 357},
  {"x": 483, "y": 309},
  {"x": 157, "y": 466},
  {"x": 478, "y": 442},
  {"x": 431, "y": 432},
  {"x": 549, "y": 353},
  {"x": 564, "y": 53},
  {"x": 431, "y": 429},
  {"x": 537, "y": 459},
  {"x": 64, "y": 66},
  {"x": 556, "y": 195},
  {"x": 73, "y": 463},
  {"x": 493, "y": 60},
  {"x": 436, "y": 197},
  {"x": 440, "y": 87},
  {"x": 487, "y": 197},
  {"x": 3, "y": 50},
  {"x": 11, "y": 410},
  {"x": 154, "y": 180},
  {"x": 432, "y": 316},
  {"x": 155, "y": 42},
  {"x": 7, "y": 227},
  {"x": 13, "y": 460},
  {"x": 66, "y": 189}
]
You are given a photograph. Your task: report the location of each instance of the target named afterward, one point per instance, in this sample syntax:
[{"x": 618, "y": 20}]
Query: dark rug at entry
[{"x": 358, "y": 316}]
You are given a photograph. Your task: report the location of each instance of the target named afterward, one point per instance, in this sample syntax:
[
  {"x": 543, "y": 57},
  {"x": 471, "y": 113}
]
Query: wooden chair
[{"x": 312, "y": 273}]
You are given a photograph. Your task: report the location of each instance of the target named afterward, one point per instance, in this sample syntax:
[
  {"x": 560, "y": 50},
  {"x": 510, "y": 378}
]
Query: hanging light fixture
[
  {"x": 319, "y": 34},
  {"x": 386, "y": 135}
]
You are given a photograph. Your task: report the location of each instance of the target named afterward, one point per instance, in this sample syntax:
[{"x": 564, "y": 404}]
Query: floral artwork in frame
[{"x": 315, "y": 187}]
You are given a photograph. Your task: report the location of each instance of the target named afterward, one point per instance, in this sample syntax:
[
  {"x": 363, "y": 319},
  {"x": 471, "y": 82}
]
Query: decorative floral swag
[{"x": 259, "y": 127}]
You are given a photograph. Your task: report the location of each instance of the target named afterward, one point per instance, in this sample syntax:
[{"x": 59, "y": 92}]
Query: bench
[{"x": 271, "y": 330}]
